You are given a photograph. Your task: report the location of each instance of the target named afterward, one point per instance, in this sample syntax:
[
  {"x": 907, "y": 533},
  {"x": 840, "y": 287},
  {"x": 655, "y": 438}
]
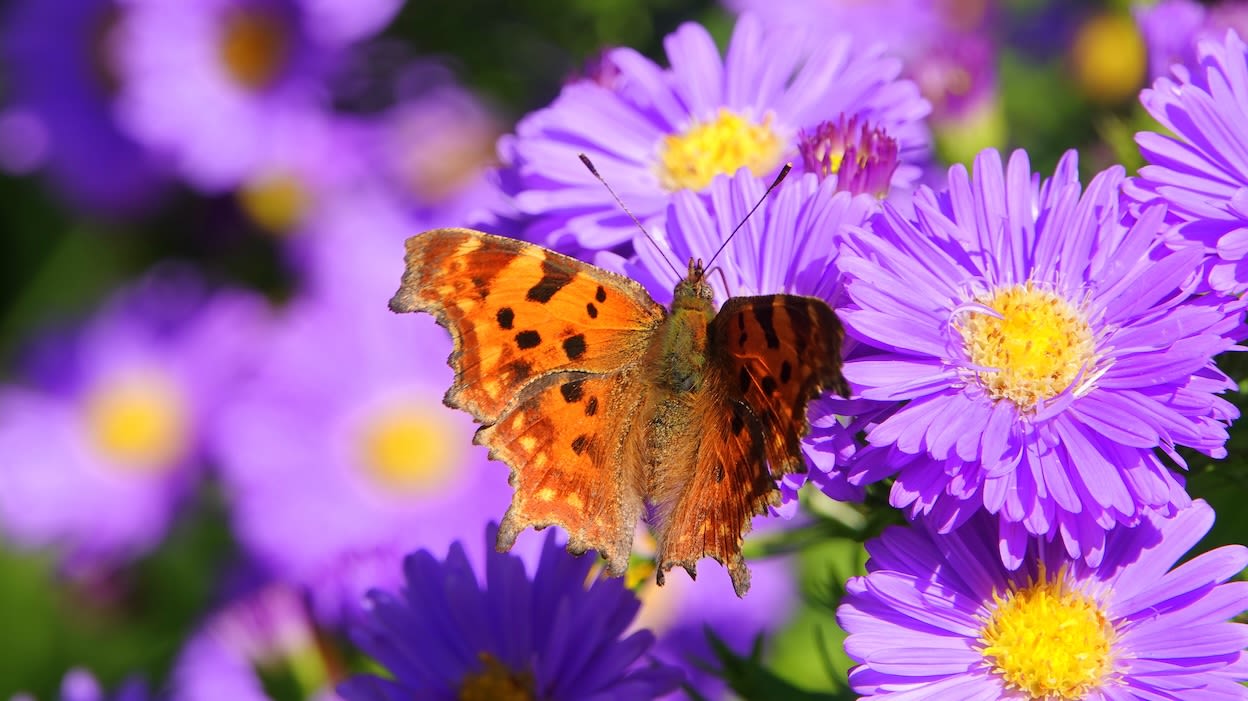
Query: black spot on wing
[
  {"x": 801, "y": 316},
  {"x": 580, "y": 443},
  {"x": 591, "y": 310},
  {"x": 574, "y": 346},
  {"x": 764, "y": 313},
  {"x": 600, "y": 295},
  {"x": 786, "y": 372},
  {"x": 572, "y": 391},
  {"x": 528, "y": 339},
  {"x": 553, "y": 279},
  {"x": 738, "y": 421},
  {"x": 744, "y": 378},
  {"x": 506, "y": 317},
  {"x": 591, "y": 407},
  {"x": 769, "y": 384}
]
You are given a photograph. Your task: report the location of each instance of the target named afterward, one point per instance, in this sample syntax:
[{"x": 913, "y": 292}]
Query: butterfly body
[{"x": 603, "y": 402}]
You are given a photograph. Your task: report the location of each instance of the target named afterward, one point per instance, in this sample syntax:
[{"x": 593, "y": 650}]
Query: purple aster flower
[
  {"x": 937, "y": 618},
  {"x": 1201, "y": 171},
  {"x": 558, "y": 635},
  {"x": 61, "y": 79},
  {"x": 266, "y": 630},
  {"x": 1172, "y": 28},
  {"x": 339, "y": 456},
  {"x": 96, "y": 452},
  {"x": 81, "y": 685},
  {"x": 788, "y": 245},
  {"x": 216, "y": 83},
  {"x": 653, "y": 132},
  {"x": 1043, "y": 355}
]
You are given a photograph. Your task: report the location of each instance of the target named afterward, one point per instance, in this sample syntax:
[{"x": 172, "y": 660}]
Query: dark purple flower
[
  {"x": 61, "y": 80},
  {"x": 558, "y": 635}
]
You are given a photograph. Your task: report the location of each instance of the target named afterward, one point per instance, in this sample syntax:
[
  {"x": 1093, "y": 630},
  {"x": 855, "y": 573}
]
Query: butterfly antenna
[
  {"x": 783, "y": 172},
  {"x": 589, "y": 164}
]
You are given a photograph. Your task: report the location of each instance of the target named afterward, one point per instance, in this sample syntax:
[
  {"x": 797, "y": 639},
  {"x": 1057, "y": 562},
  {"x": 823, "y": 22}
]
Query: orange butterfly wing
[
  {"x": 518, "y": 312},
  {"x": 545, "y": 355},
  {"x": 769, "y": 356}
]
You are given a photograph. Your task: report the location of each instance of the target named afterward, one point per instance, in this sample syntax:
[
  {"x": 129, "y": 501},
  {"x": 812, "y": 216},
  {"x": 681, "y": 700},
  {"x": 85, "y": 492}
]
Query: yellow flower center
[
  {"x": 254, "y": 47},
  {"x": 1048, "y": 641},
  {"x": 725, "y": 145},
  {"x": 276, "y": 203},
  {"x": 406, "y": 449},
  {"x": 138, "y": 421},
  {"x": 496, "y": 683},
  {"x": 1035, "y": 349}
]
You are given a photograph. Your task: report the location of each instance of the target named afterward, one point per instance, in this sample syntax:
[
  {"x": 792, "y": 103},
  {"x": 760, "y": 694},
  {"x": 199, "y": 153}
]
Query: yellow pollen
[
  {"x": 254, "y": 47},
  {"x": 1036, "y": 349},
  {"x": 730, "y": 142},
  {"x": 1048, "y": 641},
  {"x": 496, "y": 683},
  {"x": 275, "y": 203},
  {"x": 406, "y": 450},
  {"x": 139, "y": 421}
]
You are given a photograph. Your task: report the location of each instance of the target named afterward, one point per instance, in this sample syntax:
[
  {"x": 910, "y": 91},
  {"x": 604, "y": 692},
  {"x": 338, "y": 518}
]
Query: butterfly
[{"x": 603, "y": 402}]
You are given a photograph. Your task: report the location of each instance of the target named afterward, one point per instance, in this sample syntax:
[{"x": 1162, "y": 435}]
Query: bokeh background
[{"x": 172, "y": 250}]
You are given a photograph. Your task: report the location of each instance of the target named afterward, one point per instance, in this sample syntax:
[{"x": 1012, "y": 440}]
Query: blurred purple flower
[
  {"x": 935, "y": 618},
  {"x": 680, "y": 612},
  {"x": 1200, "y": 169},
  {"x": 81, "y": 685},
  {"x": 656, "y": 131},
  {"x": 558, "y": 635},
  {"x": 1045, "y": 353},
  {"x": 339, "y": 457},
  {"x": 95, "y": 458},
  {"x": 61, "y": 78},
  {"x": 215, "y": 84},
  {"x": 945, "y": 46},
  {"x": 1173, "y": 28},
  {"x": 267, "y": 632}
]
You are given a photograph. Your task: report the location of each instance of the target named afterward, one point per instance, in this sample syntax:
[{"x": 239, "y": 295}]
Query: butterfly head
[{"x": 693, "y": 291}]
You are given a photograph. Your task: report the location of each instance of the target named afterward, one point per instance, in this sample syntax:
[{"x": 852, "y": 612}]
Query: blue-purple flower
[
  {"x": 109, "y": 432},
  {"x": 1200, "y": 169},
  {"x": 653, "y": 131},
  {"x": 557, "y": 635},
  {"x": 215, "y": 84},
  {"x": 1043, "y": 356},
  {"x": 936, "y": 617},
  {"x": 61, "y": 80}
]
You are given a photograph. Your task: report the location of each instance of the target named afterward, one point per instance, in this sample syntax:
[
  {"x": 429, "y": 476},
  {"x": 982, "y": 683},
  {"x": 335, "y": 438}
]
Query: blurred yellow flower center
[
  {"x": 690, "y": 160},
  {"x": 410, "y": 449},
  {"x": 496, "y": 683},
  {"x": 1109, "y": 58},
  {"x": 254, "y": 47},
  {"x": 276, "y": 203},
  {"x": 139, "y": 422},
  {"x": 1049, "y": 642},
  {"x": 1036, "y": 348}
]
